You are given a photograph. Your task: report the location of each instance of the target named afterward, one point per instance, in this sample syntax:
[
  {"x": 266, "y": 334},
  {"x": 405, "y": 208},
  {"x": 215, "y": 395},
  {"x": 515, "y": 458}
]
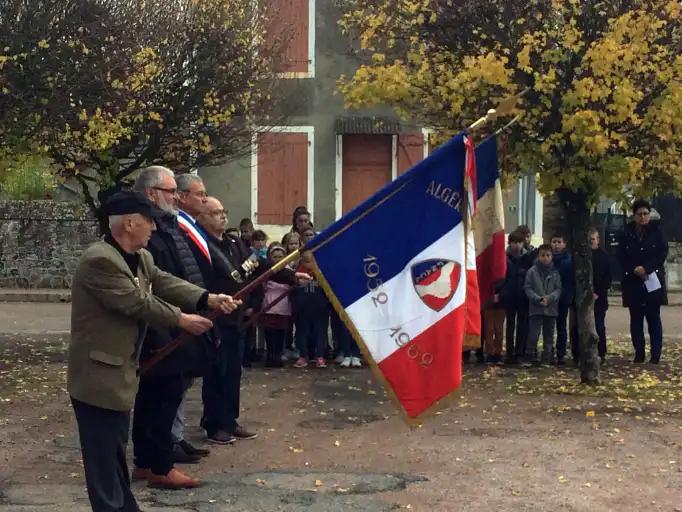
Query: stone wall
[{"x": 41, "y": 241}]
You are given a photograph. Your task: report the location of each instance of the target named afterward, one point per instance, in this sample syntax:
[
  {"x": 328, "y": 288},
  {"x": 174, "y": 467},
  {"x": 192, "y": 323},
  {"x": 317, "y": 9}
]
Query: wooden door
[{"x": 366, "y": 167}]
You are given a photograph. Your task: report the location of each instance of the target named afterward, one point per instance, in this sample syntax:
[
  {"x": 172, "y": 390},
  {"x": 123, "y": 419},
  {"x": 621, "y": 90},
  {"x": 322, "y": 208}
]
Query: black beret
[{"x": 126, "y": 202}]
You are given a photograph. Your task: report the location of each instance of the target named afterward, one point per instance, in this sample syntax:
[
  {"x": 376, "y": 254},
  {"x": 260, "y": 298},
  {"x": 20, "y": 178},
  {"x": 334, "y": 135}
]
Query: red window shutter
[
  {"x": 366, "y": 167},
  {"x": 282, "y": 176},
  {"x": 288, "y": 31},
  {"x": 410, "y": 151}
]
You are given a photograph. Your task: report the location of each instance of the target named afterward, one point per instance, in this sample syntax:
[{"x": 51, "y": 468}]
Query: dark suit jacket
[{"x": 109, "y": 315}]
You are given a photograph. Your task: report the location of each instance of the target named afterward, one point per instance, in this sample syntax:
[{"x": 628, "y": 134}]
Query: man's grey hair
[
  {"x": 184, "y": 181},
  {"x": 115, "y": 221},
  {"x": 151, "y": 177}
]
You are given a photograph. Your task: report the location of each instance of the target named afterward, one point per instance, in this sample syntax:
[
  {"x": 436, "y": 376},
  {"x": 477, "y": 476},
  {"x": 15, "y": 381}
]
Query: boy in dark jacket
[
  {"x": 563, "y": 262},
  {"x": 543, "y": 289},
  {"x": 513, "y": 297},
  {"x": 601, "y": 279},
  {"x": 311, "y": 311}
]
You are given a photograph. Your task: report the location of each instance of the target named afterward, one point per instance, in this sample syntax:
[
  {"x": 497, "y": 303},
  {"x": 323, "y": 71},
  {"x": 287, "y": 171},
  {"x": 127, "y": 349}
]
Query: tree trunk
[{"x": 578, "y": 213}]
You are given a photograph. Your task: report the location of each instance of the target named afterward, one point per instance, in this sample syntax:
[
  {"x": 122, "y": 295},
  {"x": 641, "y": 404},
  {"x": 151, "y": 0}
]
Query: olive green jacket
[{"x": 110, "y": 312}]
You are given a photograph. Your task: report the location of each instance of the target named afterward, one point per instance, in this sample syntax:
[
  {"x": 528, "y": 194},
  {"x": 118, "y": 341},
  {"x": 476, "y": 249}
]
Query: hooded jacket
[{"x": 543, "y": 281}]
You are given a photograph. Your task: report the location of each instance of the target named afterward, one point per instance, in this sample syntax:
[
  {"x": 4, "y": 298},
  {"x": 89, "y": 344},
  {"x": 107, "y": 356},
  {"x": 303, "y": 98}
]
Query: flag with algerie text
[
  {"x": 489, "y": 237},
  {"x": 396, "y": 269}
]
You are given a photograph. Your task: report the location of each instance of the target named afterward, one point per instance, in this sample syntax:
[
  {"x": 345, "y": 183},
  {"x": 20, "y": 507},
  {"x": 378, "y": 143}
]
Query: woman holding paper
[{"x": 642, "y": 252}]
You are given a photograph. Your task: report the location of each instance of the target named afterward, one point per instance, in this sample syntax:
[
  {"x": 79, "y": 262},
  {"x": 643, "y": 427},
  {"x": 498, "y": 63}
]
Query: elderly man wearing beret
[{"x": 117, "y": 292}]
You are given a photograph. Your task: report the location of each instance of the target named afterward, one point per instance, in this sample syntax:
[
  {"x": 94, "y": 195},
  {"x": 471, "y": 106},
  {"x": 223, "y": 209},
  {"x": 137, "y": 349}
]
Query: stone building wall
[{"x": 41, "y": 241}]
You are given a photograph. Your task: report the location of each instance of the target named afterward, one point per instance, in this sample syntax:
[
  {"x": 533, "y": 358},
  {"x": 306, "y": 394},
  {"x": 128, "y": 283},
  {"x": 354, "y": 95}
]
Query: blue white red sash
[{"x": 189, "y": 226}]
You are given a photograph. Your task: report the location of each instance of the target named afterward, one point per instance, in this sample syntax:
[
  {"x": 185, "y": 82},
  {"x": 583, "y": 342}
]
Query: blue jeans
[
  {"x": 311, "y": 334},
  {"x": 652, "y": 313}
]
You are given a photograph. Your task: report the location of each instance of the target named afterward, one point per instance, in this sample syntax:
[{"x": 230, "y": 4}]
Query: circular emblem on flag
[{"x": 436, "y": 281}]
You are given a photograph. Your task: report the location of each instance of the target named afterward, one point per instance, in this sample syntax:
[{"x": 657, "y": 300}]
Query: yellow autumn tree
[
  {"x": 104, "y": 87},
  {"x": 602, "y": 115}
]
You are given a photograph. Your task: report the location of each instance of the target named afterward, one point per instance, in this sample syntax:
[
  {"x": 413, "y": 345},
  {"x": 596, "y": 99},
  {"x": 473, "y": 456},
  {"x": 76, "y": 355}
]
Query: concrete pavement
[{"x": 54, "y": 317}]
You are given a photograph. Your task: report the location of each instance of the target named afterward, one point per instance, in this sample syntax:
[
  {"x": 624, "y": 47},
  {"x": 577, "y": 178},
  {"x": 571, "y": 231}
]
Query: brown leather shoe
[
  {"x": 173, "y": 480},
  {"x": 139, "y": 474}
]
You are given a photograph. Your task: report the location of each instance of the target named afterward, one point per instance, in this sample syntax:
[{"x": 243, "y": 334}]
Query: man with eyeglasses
[
  {"x": 162, "y": 389},
  {"x": 230, "y": 269},
  {"x": 642, "y": 251}
]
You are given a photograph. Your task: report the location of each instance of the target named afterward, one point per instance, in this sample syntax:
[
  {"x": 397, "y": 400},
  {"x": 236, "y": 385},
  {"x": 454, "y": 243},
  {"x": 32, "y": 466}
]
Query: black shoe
[
  {"x": 180, "y": 456},
  {"x": 638, "y": 359},
  {"x": 241, "y": 433},
  {"x": 193, "y": 450},
  {"x": 511, "y": 360},
  {"x": 221, "y": 437},
  {"x": 560, "y": 362},
  {"x": 653, "y": 361},
  {"x": 602, "y": 361}
]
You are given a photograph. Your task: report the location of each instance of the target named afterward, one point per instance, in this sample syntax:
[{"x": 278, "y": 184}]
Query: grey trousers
[{"x": 546, "y": 325}]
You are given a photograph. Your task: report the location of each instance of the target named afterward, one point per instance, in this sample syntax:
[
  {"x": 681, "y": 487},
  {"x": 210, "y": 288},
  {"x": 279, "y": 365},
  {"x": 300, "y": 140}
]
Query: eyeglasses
[
  {"x": 643, "y": 213},
  {"x": 171, "y": 191}
]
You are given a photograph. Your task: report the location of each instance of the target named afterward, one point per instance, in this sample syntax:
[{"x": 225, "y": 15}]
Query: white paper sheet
[{"x": 652, "y": 283}]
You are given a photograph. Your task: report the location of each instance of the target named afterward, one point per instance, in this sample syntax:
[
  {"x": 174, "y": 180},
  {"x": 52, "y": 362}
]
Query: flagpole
[
  {"x": 184, "y": 337},
  {"x": 277, "y": 300}
]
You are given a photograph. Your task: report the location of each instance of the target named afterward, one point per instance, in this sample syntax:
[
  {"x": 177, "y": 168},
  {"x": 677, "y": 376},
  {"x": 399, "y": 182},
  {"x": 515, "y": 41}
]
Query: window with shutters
[
  {"x": 281, "y": 176},
  {"x": 292, "y": 30}
]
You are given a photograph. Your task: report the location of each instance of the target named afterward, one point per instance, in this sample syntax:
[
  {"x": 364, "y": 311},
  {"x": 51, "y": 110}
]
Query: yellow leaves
[
  {"x": 43, "y": 44},
  {"x": 154, "y": 116},
  {"x": 590, "y": 414},
  {"x": 83, "y": 115}
]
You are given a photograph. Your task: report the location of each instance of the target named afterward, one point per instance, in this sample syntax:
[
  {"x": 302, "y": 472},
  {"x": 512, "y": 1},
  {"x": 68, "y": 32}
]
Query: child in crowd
[
  {"x": 259, "y": 244},
  {"x": 543, "y": 289},
  {"x": 276, "y": 305},
  {"x": 311, "y": 309},
  {"x": 246, "y": 230},
  {"x": 564, "y": 265},
  {"x": 492, "y": 316},
  {"x": 291, "y": 243},
  {"x": 513, "y": 298},
  {"x": 526, "y": 233},
  {"x": 348, "y": 350},
  {"x": 601, "y": 276},
  {"x": 307, "y": 234}
]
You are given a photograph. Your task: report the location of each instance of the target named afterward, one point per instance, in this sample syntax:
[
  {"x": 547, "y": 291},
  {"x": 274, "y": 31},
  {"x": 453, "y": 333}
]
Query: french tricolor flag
[
  {"x": 396, "y": 269},
  {"x": 489, "y": 237}
]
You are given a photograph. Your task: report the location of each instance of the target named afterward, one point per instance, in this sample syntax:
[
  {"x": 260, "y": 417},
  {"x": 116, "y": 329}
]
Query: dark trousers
[
  {"x": 156, "y": 404},
  {"x": 517, "y": 332},
  {"x": 221, "y": 388},
  {"x": 562, "y": 332},
  {"x": 652, "y": 313},
  {"x": 104, "y": 437},
  {"x": 274, "y": 345},
  {"x": 347, "y": 345},
  {"x": 600, "y": 324},
  {"x": 249, "y": 352},
  {"x": 311, "y": 334}
]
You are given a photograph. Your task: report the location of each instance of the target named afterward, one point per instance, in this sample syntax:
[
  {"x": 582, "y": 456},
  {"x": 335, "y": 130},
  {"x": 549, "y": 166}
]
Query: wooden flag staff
[{"x": 183, "y": 338}]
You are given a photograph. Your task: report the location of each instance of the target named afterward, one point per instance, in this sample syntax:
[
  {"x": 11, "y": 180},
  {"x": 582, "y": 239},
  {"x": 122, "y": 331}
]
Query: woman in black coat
[{"x": 642, "y": 252}]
